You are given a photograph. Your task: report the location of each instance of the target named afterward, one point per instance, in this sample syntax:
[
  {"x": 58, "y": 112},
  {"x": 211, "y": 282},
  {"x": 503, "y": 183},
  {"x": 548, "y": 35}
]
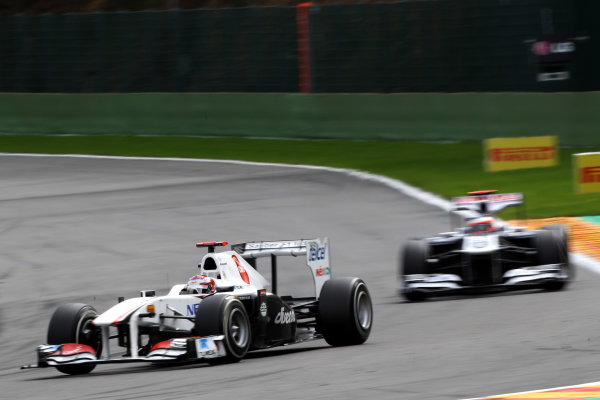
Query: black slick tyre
[
  {"x": 345, "y": 311},
  {"x": 221, "y": 314},
  {"x": 414, "y": 261},
  {"x": 552, "y": 249},
  {"x": 561, "y": 237},
  {"x": 72, "y": 323}
]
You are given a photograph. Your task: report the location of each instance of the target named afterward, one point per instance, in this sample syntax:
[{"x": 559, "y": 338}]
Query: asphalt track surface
[{"x": 91, "y": 230}]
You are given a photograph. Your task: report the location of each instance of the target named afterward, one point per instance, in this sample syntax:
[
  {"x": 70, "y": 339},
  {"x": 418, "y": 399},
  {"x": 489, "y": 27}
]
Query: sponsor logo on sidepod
[
  {"x": 285, "y": 317},
  {"x": 263, "y": 309},
  {"x": 192, "y": 308},
  {"x": 480, "y": 243},
  {"x": 241, "y": 270}
]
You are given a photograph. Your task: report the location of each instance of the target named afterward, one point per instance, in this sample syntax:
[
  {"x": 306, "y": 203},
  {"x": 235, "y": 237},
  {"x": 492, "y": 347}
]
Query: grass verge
[{"x": 448, "y": 169}]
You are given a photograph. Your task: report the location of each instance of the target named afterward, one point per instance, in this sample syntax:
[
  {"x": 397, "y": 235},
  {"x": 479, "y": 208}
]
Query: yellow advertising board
[
  {"x": 521, "y": 152},
  {"x": 587, "y": 172}
]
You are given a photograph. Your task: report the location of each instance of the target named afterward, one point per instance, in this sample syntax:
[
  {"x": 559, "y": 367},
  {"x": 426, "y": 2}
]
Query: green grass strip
[{"x": 448, "y": 169}]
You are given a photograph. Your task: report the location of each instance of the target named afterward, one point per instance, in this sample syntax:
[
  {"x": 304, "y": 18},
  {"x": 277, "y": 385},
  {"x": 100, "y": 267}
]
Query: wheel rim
[
  {"x": 364, "y": 310},
  {"x": 238, "y": 328},
  {"x": 87, "y": 333}
]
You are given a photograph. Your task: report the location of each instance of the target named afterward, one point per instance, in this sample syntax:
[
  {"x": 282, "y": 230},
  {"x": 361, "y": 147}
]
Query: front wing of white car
[{"x": 179, "y": 349}]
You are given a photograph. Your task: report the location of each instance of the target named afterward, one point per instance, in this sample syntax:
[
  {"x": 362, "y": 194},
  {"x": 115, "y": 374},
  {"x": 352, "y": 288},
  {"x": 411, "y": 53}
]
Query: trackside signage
[
  {"x": 587, "y": 172},
  {"x": 519, "y": 153}
]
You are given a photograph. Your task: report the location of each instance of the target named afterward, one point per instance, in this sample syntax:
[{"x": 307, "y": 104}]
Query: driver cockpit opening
[{"x": 210, "y": 268}]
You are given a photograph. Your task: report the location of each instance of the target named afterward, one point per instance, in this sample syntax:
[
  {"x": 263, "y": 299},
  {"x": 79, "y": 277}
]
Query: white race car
[
  {"x": 218, "y": 316},
  {"x": 486, "y": 254}
]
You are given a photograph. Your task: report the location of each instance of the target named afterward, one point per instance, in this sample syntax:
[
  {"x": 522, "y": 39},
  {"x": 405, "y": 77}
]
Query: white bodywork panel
[
  {"x": 228, "y": 270},
  {"x": 480, "y": 244},
  {"x": 164, "y": 306},
  {"x": 121, "y": 311},
  {"x": 226, "y": 274},
  {"x": 317, "y": 254}
]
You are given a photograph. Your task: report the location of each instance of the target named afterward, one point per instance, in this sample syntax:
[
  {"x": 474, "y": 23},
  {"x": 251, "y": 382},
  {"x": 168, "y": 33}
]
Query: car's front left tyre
[
  {"x": 72, "y": 323},
  {"x": 225, "y": 315},
  {"x": 561, "y": 235},
  {"x": 414, "y": 261},
  {"x": 552, "y": 248}
]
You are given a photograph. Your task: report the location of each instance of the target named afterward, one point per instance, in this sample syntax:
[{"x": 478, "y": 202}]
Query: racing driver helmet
[
  {"x": 481, "y": 225},
  {"x": 201, "y": 284}
]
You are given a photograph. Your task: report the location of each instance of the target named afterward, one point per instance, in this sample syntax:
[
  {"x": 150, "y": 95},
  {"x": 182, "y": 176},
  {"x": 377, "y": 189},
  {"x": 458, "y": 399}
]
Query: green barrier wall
[{"x": 467, "y": 116}]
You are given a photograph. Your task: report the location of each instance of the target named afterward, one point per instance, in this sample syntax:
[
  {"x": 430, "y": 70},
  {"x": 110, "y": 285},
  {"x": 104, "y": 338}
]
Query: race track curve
[{"x": 91, "y": 230}]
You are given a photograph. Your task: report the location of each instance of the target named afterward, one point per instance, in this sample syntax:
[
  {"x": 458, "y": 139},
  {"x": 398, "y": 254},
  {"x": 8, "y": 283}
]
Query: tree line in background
[
  {"x": 32, "y": 7},
  {"x": 379, "y": 47}
]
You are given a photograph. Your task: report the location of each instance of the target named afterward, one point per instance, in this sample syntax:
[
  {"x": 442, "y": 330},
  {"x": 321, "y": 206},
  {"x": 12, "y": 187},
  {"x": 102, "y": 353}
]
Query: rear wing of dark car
[{"x": 487, "y": 202}]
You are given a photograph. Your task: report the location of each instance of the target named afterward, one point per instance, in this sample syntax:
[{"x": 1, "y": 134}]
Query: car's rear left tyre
[
  {"x": 414, "y": 261},
  {"x": 345, "y": 311},
  {"x": 222, "y": 314},
  {"x": 72, "y": 323}
]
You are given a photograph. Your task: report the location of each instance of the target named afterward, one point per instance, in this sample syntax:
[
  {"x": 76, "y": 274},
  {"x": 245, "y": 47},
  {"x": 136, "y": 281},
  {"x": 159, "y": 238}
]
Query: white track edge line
[
  {"x": 411, "y": 191},
  {"x": 499, "y": 396}
]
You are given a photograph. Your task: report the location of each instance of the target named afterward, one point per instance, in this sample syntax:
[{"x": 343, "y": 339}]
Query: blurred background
[
  {"x": 408, "y": 90},
  {"x": 281, "y": 46}
]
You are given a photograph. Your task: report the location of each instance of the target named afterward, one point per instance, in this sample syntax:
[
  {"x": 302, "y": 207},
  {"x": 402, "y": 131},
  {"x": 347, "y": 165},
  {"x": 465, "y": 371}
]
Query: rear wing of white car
[
  {"x": 487, "y": 202},
  {"x": 315, "y": 250}
]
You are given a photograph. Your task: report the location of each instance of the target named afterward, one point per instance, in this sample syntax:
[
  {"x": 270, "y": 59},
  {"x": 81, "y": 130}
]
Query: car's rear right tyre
[
  {"x": 72, "y": 323},
  {"x": 345, "y": 311},
  {"x": 222, "y": 314}
]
